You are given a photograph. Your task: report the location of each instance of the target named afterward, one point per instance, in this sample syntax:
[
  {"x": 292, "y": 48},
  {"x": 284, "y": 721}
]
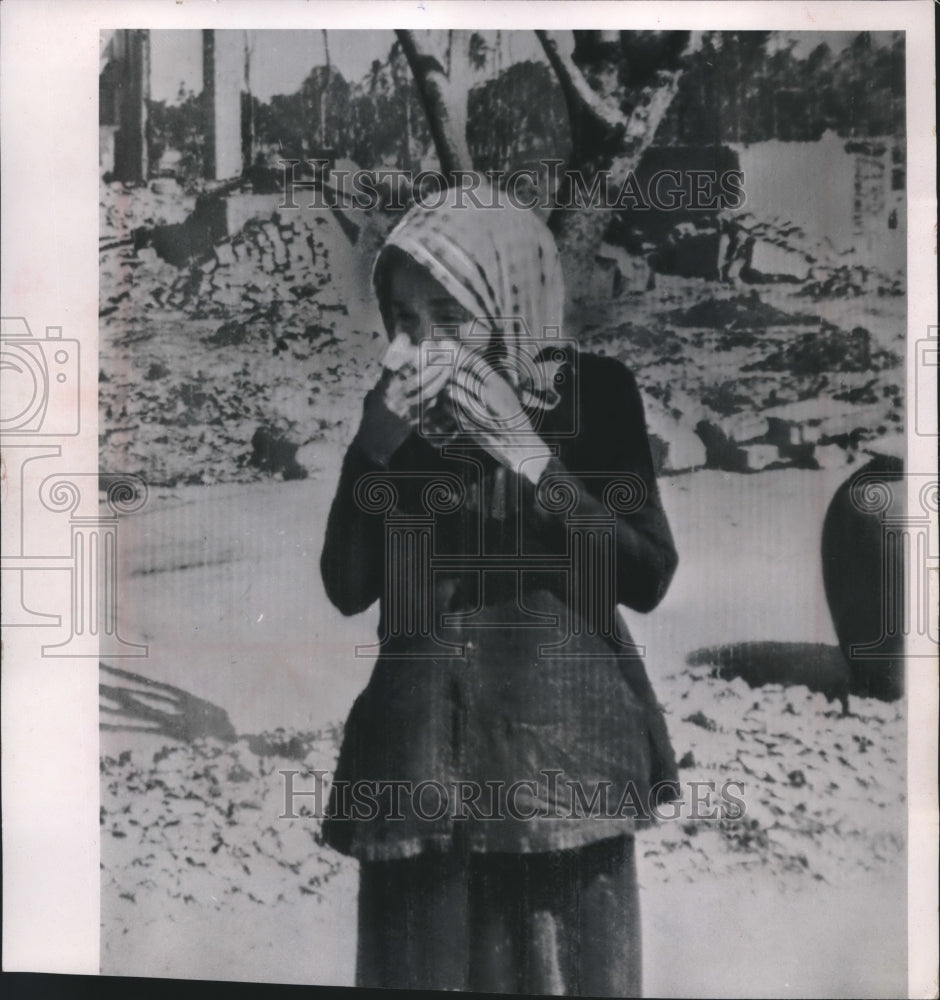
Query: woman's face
[{"x": 421, "y": 309}]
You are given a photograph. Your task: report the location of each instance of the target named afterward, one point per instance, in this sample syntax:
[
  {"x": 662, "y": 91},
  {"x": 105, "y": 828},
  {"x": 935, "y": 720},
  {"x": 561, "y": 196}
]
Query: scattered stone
[
  {"x": 756, "y": 457},
  {"x": 675, "y": 446},
  {"x": 784, "y": 433},
  {"x": 724, "y": 453},
  {"x": 617, "y": 272},
  {"x": 165, "y": 186},
  {"x": 848, "y": 281},
  {"x": 701, "y": 719},
  {"x": 772, "y": 263},
  {"x": 799, "y": 456},
  {"x": 224, "y": 254},
  {"x": 830, "y": 456},
  {"x": 217, "y": 810},
  {"x": 721, "y": 452},
  {"x": 279, "y": 744},
  {"x": 744, "y": 428}
]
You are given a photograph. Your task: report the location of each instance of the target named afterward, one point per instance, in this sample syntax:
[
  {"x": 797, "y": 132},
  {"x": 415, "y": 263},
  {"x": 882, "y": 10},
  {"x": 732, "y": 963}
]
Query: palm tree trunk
[
  {"x": 324, "y": 93},
  {"x": 446, "y": 115}
]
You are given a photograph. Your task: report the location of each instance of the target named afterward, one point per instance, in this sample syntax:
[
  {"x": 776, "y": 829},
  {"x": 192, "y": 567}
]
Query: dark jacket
[{"x": 501, "y": 658}]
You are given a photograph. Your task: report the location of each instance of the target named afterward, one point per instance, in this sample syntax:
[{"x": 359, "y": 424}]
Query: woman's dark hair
[{"x": 389, "y": 260}]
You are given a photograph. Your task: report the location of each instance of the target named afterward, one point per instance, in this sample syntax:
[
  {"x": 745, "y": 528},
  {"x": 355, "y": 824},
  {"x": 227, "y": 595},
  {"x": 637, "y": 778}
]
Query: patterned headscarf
[{"x": 501, "y": 264}]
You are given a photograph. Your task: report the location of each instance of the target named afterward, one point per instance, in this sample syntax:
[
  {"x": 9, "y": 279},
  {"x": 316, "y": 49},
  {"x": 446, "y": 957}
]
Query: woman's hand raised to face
[
  {"x": 394, "y": 408},
  {"x": 411, "y": 387}
]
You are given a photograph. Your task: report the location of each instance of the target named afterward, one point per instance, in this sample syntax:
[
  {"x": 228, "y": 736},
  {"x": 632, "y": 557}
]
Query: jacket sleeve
[
  {"x": 352, "y": 563},
  {"x": 612, "y": 445}
]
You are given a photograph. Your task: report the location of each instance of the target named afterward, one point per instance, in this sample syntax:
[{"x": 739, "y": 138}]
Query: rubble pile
[
  {"x": 773, "y": 251},
  {"x": 823, "y": 793},
  {"x": 782, "y": 387},
  {"x": 201, "y": 821},
  {"x": 123, "y": 208},
  {"x": 256, "y": 337},
  {"x": 226, "y": 367},
  {"x": 851, "y": 281},
  {"x": 802, "y": 435}
]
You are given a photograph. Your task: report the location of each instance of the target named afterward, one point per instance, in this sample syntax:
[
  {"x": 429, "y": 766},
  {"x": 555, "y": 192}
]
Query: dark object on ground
[
  {"x": 720, "y": 451},
  {"x": 182, "y": 243},
  {"x": 147, "y": 705},
  {"x": 766, "y": 450},
  {"x": 740, "y": 312},
  {"x": 677, "y": 228},
  {"x": 701, "y": 719},
  {"x": 818, "y": 666},
  {"x": 688, "y": 252},
  {"x": 271, "y": 452},
  {"x": 864, "y": 576},
  {"x": 279, "y": 744},
  {"x": 827, "y": 349}
]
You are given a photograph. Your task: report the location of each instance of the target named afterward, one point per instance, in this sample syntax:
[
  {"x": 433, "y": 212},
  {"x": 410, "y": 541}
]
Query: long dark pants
[{"x": 563, "y": 922}]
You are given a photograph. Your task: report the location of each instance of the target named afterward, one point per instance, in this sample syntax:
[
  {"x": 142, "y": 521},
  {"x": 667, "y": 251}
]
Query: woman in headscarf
[{"x": 499, "y": 501}]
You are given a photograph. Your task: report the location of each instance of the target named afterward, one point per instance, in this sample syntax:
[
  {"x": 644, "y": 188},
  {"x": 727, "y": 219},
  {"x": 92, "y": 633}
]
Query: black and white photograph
[{"x": 511, "y": 562}]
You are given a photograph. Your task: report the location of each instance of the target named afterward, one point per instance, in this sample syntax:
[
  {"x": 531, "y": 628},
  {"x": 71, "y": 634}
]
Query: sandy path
[{"x": 223, "y": 583}]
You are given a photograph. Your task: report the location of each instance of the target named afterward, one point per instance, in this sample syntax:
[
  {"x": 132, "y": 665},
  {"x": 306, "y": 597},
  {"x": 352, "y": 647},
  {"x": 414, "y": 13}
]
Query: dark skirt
[{"x": 561, "y": 922}]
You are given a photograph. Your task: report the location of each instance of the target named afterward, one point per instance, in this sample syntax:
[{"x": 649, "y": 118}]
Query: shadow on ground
[
  {"x": 137, "y": 703},
  {"x": 818, "y": 666}
]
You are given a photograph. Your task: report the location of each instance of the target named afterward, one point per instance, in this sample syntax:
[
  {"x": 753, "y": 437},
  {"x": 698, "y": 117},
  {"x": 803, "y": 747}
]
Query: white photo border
[{"x": 48, "y": 114}]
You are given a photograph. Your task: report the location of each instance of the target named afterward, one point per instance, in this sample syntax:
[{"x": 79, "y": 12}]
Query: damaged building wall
[
  {"x": 834, "y": 190},
  {"x": 123, "y": 93}
]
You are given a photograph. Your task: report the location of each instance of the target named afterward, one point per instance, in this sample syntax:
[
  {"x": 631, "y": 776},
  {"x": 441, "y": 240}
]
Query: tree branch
[
  {"x": 579, "y": 97},
  {"x": 606, "y": 138},
  {"x": 588, "y": 112},
  {"x": 652, "y": 105},
  {"x": 446, "y": 118}
]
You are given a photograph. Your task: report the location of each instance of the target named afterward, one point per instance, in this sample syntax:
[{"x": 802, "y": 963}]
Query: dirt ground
[{"x": 804, "y": 896}]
